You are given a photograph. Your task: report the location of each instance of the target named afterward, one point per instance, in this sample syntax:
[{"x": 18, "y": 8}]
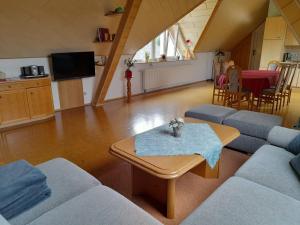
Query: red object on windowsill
[{"x": 128, "y": 74}]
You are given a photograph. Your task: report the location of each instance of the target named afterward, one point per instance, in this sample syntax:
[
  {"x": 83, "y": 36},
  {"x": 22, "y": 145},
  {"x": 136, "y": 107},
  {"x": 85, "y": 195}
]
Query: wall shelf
[{"x": 113, "y": 13}]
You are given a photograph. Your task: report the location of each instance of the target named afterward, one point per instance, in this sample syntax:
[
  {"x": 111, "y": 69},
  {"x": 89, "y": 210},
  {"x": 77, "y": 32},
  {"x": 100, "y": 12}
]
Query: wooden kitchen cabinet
[
  {"x": 25, "y": 101},
  {"x": 40, "y": 101},
  {"x": 13, "y": 106},
  {"x": 273, "y": 41},
  {"x": 275, "y": 28}
]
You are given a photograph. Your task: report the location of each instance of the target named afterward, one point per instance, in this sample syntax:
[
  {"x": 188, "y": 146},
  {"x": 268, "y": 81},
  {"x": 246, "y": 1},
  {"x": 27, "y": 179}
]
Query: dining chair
[
  {"x": 218, "y": 90},
  {"x": 234, "y": 93},
  {"x": 274, "y": 65},
  {"x": 289, "y": 88},
  {"x": 275, "y": 96}
]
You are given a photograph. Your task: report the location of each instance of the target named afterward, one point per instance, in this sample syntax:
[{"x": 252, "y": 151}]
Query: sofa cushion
[
  {"x": 99, "y": 205},
  {"x": 269, "y": 166},
  {"x": 209, "y": 112},
  {"x": 295, "y": 164},
  {"x": 281, "y": 136},
  {"x": 66, "y": 180},
  {"x": 294, "y": 145},
  {"x": 247, "y": 143},
  {"x": 242, "y": 202},
  {"x": 253, "y": 123}
]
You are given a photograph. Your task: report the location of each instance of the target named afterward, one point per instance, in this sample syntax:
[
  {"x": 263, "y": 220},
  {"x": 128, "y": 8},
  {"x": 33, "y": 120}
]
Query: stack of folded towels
[{"x": 22, "y": 186}]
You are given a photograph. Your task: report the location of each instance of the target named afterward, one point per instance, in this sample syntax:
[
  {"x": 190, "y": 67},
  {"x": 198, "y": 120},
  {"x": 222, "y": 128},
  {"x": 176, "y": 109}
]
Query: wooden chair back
[
  {"x": 289, "y": 76},
  {"x": 234, "y": 79},
  {"x": 274, "y": 65},
  {"x": 281, "y": 79}
]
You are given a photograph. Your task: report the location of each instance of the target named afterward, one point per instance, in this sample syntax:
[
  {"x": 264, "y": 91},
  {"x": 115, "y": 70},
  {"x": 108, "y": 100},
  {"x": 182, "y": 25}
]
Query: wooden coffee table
[{"x": 155, "y": 176}]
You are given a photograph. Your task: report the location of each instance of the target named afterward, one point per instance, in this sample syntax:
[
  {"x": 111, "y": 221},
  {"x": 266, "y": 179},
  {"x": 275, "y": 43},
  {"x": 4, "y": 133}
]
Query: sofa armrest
[{"x": 281, "y": 136}]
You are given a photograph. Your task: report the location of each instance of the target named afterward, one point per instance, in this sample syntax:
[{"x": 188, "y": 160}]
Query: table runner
[{"x": 195, "y": 139}]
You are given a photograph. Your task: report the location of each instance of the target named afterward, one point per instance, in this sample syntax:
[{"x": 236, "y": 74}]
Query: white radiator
[{"x": 173, "y": 75}]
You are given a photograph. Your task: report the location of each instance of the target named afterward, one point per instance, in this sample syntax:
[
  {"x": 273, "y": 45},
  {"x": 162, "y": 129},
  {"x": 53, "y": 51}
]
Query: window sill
[{"x": 164, "y": 61}]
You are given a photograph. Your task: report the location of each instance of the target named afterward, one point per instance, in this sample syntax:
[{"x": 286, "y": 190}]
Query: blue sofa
[
  {"x": 253, "y": 126},
  {"x": 79, "y": 199},
  {"x": 264, "y": 191}
]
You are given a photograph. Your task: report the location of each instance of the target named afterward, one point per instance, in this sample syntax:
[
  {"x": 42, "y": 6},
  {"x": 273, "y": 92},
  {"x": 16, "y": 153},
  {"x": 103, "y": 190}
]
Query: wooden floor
[{"x": 83, "y": 135}]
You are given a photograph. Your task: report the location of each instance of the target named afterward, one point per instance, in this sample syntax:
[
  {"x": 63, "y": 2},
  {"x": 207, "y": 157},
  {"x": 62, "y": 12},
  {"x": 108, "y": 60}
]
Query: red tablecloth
[{"x": 257, "y": 80}]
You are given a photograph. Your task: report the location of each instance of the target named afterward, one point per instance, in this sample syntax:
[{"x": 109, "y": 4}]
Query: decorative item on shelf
[
  {"x": 103, "y": 35},
  {"x": 128, "y": 75},
  {"x": 188, "y": 44},
  {"x": 176, "y": 124},
  {"x": 147, "y": 57},
  {"x": 101, "y": 60},
  {"x": 113, "y": 37},
  {"x": 163, "y": 58},
  {"x": 119, "y": 10}
]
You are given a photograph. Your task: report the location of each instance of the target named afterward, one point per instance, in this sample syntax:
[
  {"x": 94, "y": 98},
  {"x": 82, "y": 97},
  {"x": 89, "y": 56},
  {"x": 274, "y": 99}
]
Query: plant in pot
[
  {"x": 176, "y": 124},
  {"x": 129, "y": 63},
  {"x": 147, "y": 57}
]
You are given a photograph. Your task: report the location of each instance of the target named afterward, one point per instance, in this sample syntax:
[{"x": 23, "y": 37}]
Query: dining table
[{"x": 256, "y": 81}]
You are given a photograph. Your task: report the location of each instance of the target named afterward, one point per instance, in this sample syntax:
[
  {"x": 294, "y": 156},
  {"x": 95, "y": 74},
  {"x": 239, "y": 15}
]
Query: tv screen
[{"x": 73, "y": 65}]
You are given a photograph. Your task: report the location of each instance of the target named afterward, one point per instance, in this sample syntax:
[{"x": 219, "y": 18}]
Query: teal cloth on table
[{"x": 195, "y": 138}]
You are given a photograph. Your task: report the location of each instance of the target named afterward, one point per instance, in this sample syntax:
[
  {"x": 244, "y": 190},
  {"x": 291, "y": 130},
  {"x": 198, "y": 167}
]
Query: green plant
[{"x": 129, "y": 62}]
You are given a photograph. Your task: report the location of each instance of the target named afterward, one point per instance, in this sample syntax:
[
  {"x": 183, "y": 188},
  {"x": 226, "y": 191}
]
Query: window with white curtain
[{"x": 163, "y": 44}]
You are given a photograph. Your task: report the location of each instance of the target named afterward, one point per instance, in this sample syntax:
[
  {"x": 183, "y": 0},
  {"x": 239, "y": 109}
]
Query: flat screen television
[{"x": 72, "y": 65}]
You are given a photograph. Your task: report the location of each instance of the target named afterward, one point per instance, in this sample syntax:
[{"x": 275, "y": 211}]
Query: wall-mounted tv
[{"x": 72, "y": 65}]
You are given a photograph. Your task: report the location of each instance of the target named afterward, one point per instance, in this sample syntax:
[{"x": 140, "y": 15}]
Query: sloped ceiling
[
  {"x": 232, "y": 22},
  {"x": 193, "y": 24},
  {"x": 36, "y": 28},
  {"x": 290, "y": 10},
  {"x": 154, "y": 17}
]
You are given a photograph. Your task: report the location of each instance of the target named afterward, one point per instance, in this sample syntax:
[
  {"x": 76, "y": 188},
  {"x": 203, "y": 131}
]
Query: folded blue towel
[
  {"x": 22, "y": 186},
  {"x": 35, "y": 195}
]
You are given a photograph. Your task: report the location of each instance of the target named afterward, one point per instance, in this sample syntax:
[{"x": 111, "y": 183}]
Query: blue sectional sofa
[
  {"x": 264, "y": 191},
  {"x": 79, "y": 199},
  {"x": 253, "y": 126}
]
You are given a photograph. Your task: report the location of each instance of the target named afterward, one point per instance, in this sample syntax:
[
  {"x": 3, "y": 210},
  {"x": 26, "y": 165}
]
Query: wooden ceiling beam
[{"x": 131, "y": 10}]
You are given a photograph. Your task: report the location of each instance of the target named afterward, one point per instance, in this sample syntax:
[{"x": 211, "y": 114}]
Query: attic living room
[{"x": 150, "y": 112}]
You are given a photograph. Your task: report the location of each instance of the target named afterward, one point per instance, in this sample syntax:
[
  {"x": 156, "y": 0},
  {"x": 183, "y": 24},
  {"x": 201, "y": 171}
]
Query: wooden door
[
  {"x": 40, "y": 102},
  {"x": 256, "y": 47},
  {"x": 13, "y": 106}
]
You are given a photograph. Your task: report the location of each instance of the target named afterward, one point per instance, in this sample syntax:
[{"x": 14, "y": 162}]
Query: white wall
[
  {"x": 197, "y": 70},
  {"x": 184, "y": 72}
]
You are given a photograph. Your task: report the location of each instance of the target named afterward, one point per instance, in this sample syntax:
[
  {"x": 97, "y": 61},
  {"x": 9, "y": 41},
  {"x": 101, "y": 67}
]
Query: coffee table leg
[
  {"x": 171, "y": 198},
  {"x": 160, "y": 190}
]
